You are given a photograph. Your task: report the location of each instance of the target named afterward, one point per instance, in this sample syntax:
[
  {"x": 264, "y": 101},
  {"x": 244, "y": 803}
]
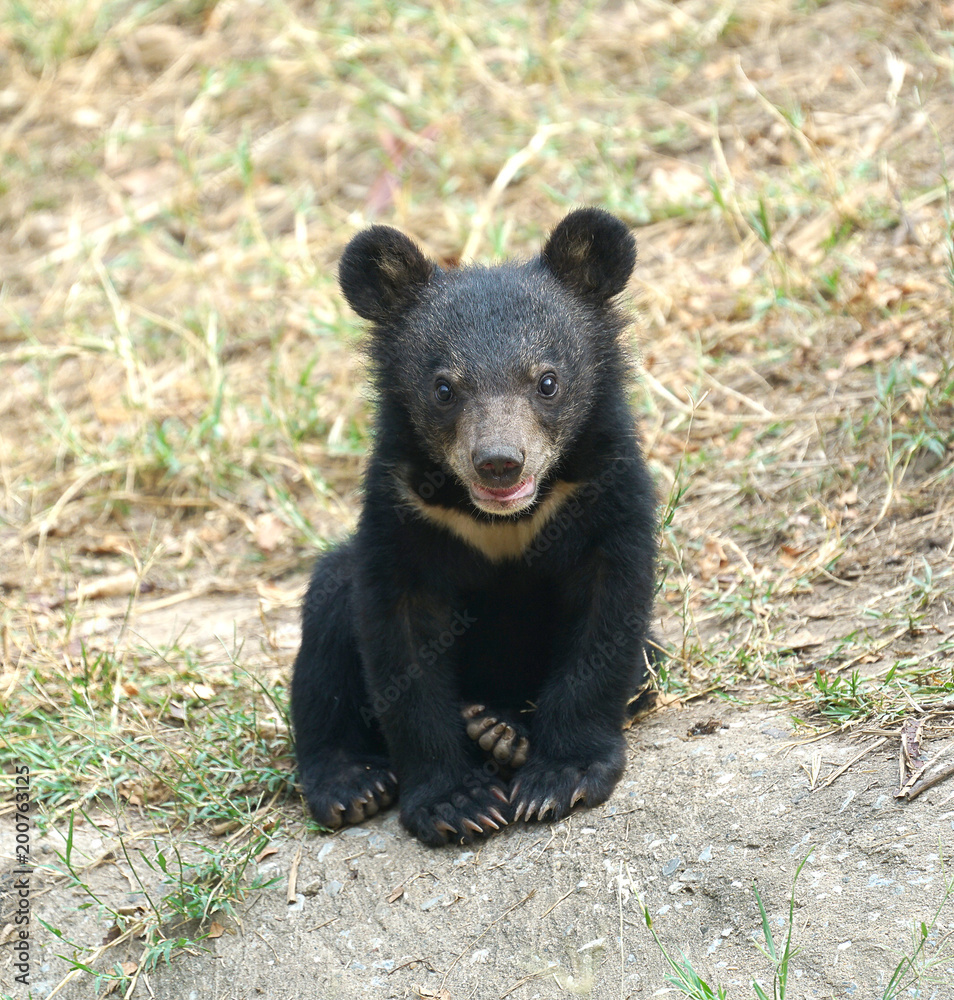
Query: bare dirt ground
[
  {"x": 552, "y": 910},
  {"x": 183, "y": 421}
]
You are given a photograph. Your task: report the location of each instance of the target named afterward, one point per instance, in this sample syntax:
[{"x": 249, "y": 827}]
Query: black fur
[{"x": 454, "y": 590}]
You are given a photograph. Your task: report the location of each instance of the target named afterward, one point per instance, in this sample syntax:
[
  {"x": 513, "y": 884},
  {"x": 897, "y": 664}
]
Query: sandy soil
[{"x": 717, "y": 798}]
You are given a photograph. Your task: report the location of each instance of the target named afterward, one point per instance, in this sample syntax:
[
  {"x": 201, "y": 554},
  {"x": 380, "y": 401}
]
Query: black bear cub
[{"x": 472, "y": 649}]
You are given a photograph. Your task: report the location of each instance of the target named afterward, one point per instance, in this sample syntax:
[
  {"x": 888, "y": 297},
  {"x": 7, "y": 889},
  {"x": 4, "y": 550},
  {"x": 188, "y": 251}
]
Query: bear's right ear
[
  {"x": 591, "y": 253},
  {"x": 382, "y": 272}
]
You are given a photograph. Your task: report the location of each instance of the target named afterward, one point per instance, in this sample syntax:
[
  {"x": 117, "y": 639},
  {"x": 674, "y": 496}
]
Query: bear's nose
[{"x": 500, "y": 464}]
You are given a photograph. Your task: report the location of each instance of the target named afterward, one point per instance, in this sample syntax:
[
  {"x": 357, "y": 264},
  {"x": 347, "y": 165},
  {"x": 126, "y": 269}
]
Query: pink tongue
[{"x": 523, "y": 489}]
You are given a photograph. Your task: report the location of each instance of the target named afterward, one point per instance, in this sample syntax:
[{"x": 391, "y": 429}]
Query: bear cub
[{"x": 472, "y": 648}]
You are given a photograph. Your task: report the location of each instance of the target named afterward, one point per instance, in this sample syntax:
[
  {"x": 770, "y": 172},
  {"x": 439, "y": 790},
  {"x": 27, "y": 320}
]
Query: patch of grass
[
  {"x": 922, "y": 963},
  {"x": 916, "y": 411},
  {"x": 916, "y": 967},
  {"x": 844, "y": 699},
  {"x": 176, "y": 903},
  {"x": 173, "y": 749},
  {"x": 689, "y": 983}
]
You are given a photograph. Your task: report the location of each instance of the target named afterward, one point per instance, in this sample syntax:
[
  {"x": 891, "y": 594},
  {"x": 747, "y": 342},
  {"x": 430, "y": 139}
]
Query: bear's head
[{"x": 497, "y": 368}]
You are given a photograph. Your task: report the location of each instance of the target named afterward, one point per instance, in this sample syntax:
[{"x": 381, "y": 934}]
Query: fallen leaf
[
  {"x": 396, "y": 894},
  {"x": 131, "y": 792},
  {"x": 202, "y": 692},
  {"x": 269, "y": 532},
  {"x": 111, "y": 935},
  {"x": 268, "y": 729},
  {"x": 678, "y": 184},
  {"x": 108, "y": 544},
  {"x": 861, "y": 356},
  {"x": 108, "y": 586},
  {"x": 802, "y": 639},
  {"x": 789, "y": 554},
  {"x": 706, "y": 728},
  {"x": 911, "y": 744},
  {"x": 265, "y": 852},
  {"x": 847, "y": 498}
]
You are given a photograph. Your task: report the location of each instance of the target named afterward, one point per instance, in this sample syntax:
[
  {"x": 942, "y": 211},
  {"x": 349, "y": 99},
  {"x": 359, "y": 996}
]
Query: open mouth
[{"x": 504, "y": 499}]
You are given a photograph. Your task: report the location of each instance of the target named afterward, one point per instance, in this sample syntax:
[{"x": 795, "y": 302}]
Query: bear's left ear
[
  {"x": 382, "y": 272},
  {"x": 591, "y": 253}
]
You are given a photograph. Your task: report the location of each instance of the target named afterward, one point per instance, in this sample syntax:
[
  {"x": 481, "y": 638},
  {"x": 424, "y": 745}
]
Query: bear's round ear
[
  {"x": 382, "y": 272},
  {"x": 591, "y": 253}
]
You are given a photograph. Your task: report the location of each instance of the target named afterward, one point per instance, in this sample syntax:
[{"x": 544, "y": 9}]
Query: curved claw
[
  {"x": 515, "y": 790},
  {"x": 442, "y": 826},
  {"x": 485, "y": 820},
  {"x": 546, "y": 806},
  {"x": 335, "y": 818},
  {"x": 355, "y": 812},
  {"x": 498, "y": 793},
  {"x": 579, "y": 795},
  {"x": 497, "y": 815},
  {"x": 518, "y": 812},
  {"x": 371, "y": 805},
  {"x": 470, "y": 826}
]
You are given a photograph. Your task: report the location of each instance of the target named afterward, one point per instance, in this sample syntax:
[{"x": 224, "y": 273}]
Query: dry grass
[{"x": 182, "y": 416}]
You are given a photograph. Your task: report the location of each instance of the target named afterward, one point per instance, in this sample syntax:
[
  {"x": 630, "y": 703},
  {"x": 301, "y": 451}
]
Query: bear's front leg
[
  {"x": 448, "y": 791},
  {"x": 577, "y": 749}
]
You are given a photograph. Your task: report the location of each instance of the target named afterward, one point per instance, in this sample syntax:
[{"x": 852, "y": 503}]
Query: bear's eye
[
  {"x": 548, "y": 385},
  {"x": 443, "y": 392}
]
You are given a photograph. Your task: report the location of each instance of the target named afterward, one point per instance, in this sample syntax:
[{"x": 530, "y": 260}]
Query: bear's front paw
[
  {"x": 348, "y": 789},
  {"x": 550, "y": 790},
  {"x": 457, "y": 816}
]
